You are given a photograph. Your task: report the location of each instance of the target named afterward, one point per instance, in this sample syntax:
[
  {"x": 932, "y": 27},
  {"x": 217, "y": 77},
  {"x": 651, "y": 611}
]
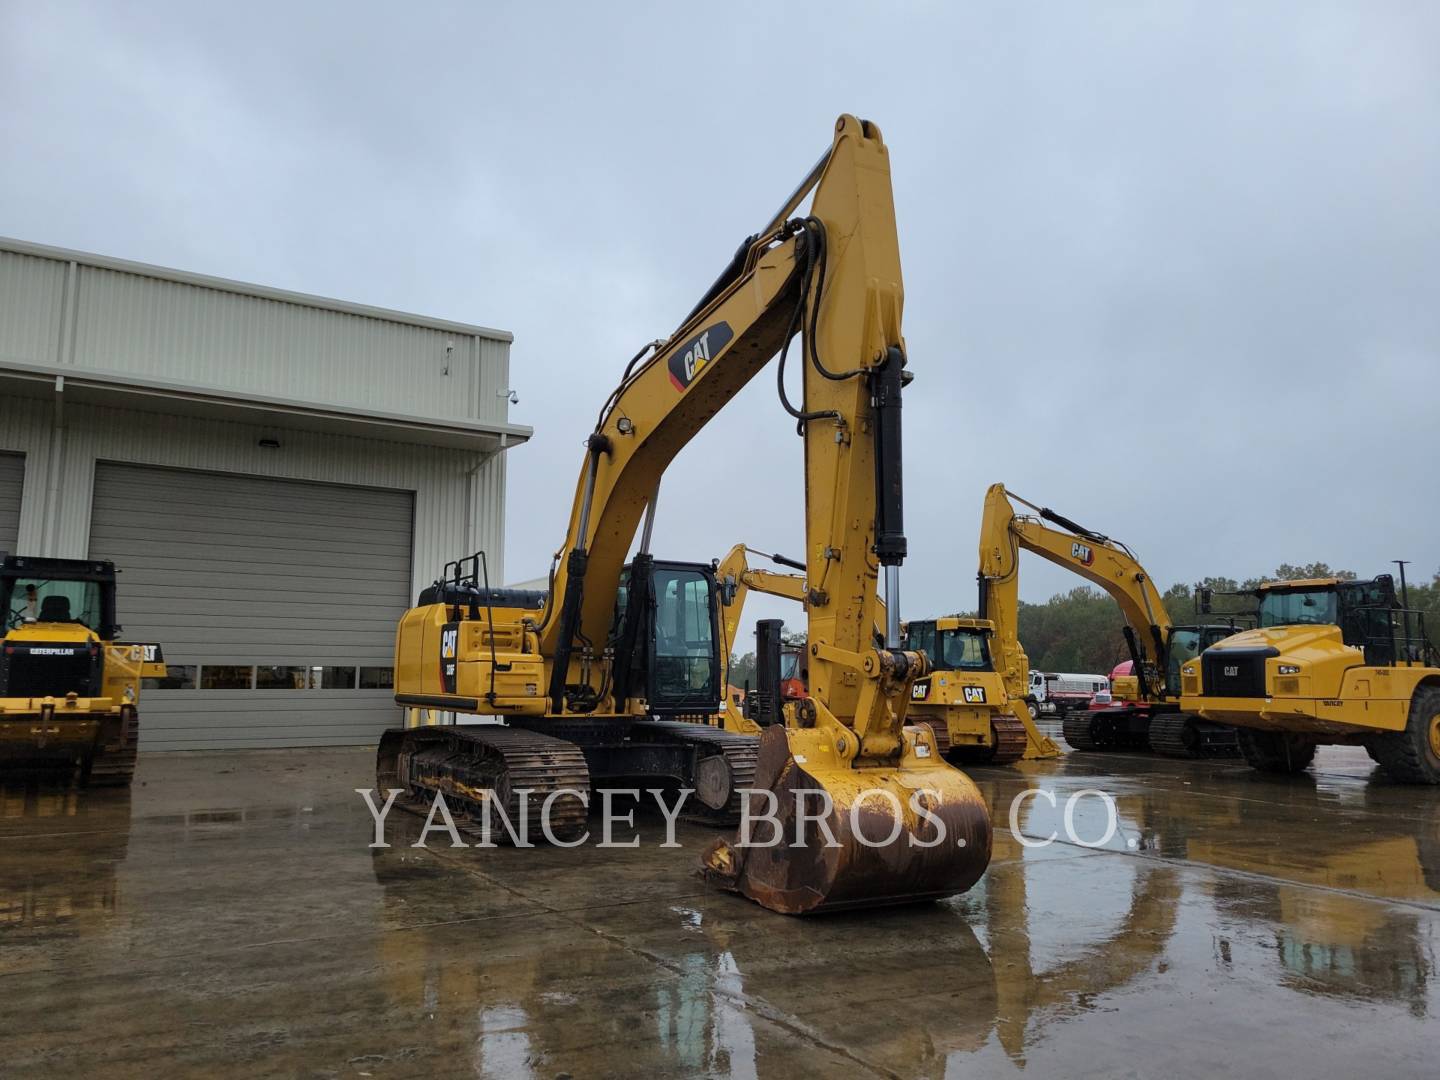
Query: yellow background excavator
[
  {"x": 781, "y": 663},
  {"x": 1145, "y": 711},
  {"x": 590, "y": 681}
]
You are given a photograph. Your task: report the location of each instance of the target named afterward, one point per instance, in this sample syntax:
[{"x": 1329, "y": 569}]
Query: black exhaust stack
[{"x": 763, "y": 704}]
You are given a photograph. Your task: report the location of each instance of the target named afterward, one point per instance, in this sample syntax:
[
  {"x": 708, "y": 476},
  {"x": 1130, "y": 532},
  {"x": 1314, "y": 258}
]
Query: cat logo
[
  {"x": 974, "y": 695},
  {"x": 920, "y": 691},
  {"x": 449, "y": 647},
  {"x": 1082, "y": 553},
  {"x": 690, "y": 359},
  {"x": 1232, "y": 671},
  {"x": 152, "y": 653}
]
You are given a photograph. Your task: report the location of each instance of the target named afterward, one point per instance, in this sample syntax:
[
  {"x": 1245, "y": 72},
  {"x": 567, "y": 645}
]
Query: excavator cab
[
  {"x": 1185, "y": 644},
  {"x": 665, "y": 620}
]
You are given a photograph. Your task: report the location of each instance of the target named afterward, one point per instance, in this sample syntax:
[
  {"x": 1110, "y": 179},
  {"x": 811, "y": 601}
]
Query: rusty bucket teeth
[{"x": 936, "y": 853}]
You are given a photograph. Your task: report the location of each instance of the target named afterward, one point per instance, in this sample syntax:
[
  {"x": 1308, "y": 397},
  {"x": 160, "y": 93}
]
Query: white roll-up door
[
  {"x": 12, "y": 477},
  {"x": 276, "y": 603}
]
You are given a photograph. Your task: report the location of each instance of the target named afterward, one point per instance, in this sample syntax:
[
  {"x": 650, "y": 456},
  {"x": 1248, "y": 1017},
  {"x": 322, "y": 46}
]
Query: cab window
[
  {"x": 55, "y": 602},
  {"x": 1299, "y": 607},
  {"x": 684, "y": 636},
  {"x": 963, "y": 650}
]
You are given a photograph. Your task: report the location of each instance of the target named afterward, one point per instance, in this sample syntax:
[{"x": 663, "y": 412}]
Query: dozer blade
[
  {"x": 1038, "y": 745},
  {"x": 884, "y": 851}
]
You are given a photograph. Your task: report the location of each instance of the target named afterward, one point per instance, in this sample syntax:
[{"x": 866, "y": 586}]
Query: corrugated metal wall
[
  {"x": 162, "y": 329},
  {"x": 12, "y": 481},
  {"x": 32, "y": 292},
  {"x": 266, "y": 343}
]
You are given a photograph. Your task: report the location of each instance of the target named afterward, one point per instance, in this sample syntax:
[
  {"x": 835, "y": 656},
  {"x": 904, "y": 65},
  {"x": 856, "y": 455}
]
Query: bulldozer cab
[
  {"x": 666, "y": 617},
  {"x": 952, "y": 644},
  {"x": 58, "y": 591}
]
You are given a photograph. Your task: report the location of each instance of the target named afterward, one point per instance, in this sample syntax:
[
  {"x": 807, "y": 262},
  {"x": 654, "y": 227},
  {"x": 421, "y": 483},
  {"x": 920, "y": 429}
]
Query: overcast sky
[{"x": 1171, "y": 269}]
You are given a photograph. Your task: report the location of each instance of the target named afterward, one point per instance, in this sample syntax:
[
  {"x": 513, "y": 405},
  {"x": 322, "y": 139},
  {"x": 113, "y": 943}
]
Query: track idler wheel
[{"x": 884, "y": 850}]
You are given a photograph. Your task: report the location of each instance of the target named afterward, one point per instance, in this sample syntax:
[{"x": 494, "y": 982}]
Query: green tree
[{"x": 742, "y": 670}]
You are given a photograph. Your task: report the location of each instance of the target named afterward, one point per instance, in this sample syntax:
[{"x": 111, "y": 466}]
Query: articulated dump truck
[{"x": 69, "y": 691}]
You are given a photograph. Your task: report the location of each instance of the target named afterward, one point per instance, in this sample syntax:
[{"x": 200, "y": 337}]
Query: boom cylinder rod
[
  {"x": 649, "y": 527},
  {"x": 892, "y": 607}
]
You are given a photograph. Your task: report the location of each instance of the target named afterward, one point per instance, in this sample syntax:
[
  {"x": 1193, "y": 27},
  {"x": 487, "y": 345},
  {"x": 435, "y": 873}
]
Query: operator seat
[{"x": 55, "y": 609}]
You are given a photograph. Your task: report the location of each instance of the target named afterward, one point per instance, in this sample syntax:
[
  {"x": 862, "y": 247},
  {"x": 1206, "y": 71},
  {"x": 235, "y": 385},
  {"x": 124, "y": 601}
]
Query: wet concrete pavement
[{"x": 228, "y": 916}]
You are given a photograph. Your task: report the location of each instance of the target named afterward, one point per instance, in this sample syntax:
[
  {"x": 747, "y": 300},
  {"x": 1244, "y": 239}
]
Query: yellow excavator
[
  {"x": 963, "y": 698},
  {"x": 1145, "y": 711},
  {"x": 780, "y": 665},
  {"x": 1330, "y": 661},
  {"x": 69, "y": 691},
  {"x": 588, "y": 681}
]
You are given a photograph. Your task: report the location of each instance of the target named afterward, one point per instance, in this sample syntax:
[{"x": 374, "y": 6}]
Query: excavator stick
[{"x": 900, "y": 833}]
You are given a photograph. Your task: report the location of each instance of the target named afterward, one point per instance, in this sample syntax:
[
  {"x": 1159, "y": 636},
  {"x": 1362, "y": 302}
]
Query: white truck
[{"x": 1062, "y": 691}]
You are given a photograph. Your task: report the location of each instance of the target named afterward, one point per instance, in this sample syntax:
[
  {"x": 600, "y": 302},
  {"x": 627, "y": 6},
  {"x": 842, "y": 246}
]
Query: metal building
[{"x": 274, "y": 474}]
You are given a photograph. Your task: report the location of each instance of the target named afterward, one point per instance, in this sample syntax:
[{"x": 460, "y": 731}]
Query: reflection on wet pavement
[{"x": 229, "y": 916}]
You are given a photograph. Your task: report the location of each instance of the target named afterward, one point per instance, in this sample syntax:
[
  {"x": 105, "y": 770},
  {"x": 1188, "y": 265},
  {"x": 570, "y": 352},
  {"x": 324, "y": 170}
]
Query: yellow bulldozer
[
  {"x": 1329, "y": 661},
  {"x": 964, "y": 698},
  {"x": 594, "y": 681},
  {"x": 69, "y": 691}
]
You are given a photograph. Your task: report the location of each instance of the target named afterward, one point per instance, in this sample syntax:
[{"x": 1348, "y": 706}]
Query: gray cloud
[{"x": 1169, "y": 269}]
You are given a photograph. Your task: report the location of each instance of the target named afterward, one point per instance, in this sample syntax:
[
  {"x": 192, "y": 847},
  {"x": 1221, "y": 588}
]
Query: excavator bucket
[{"x": 848, "y": 836}]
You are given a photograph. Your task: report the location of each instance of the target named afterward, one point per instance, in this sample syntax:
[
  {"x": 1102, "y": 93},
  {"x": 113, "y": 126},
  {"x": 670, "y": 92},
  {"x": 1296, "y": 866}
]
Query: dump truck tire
[
  {"x": 1275, "y": 751},
  {"x": 1412, "y": 756}
]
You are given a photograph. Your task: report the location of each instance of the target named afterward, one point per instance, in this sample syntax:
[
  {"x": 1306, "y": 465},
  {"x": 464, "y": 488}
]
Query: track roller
[
  {"x": 1079, "y": 731},
  {"x": 472, "y": 766}
]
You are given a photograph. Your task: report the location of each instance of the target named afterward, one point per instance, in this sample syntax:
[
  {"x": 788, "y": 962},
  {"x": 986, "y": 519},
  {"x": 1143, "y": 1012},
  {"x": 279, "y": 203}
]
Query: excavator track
[
  {"x": 1181, "y": 735},
  {"x": 1010, "y": 740},
  {"x": 116, "y": 768},
  {"x": 1077, "y": 728},
  {"x": 475, "y": 765},
  {"x": 723, "y": 765},
  {"x": 1169, "y": 736}
]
